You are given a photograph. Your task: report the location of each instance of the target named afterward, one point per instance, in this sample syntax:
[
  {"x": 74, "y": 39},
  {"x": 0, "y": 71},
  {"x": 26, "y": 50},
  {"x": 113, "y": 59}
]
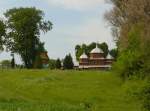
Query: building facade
[{"x": 96, "y": 60}]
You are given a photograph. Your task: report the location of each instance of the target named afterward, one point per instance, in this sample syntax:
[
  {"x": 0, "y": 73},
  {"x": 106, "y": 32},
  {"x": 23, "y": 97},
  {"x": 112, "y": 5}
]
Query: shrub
[{"x": 145, "y": 96}]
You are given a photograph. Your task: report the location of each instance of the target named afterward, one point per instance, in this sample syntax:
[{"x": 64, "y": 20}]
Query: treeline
[
  {"x": 130, "y": 21},
  {"x": 84, "y": 48},
  {"x": 66, "y": 63}
]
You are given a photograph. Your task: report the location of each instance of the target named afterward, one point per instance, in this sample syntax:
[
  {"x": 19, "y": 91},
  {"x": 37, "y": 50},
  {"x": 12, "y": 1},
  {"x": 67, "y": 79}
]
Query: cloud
[
  {"x": 77, "y": 4},
  {"x": 93, "y": 30}
]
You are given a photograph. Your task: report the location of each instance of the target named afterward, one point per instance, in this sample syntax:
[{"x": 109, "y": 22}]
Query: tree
[
  {"x": 114, "y": 53},
  {"x": 68, "y": 62},
  {"x": 58, "y": 64},
  {"x": 52, "y": 64},
  {"x": 25, "y": 25},
  {"x": 104, "y": 47},
  {"x": 2, "y": 34}
]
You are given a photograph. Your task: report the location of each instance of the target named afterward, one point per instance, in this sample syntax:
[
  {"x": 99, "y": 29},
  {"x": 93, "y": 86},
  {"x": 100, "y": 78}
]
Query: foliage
[
  {"x": 58, "y": 64},
  {"x": 104, "y": 47},
  {"x": 130, "y": 61},
  {"x": 25, "y": 25},
  {"x": 130, "y": 21},
  {"x": 2, "y": 34},
  {"x": 52, "y": 64},
  {"x": 68, "y": 62},
  {"x": 114, "y": 53},
  {"x": 146, "y": 96}
]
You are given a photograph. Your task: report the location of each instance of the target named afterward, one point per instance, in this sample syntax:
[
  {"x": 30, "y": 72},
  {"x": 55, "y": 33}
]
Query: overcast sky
[{"x": 75, "y": 22}]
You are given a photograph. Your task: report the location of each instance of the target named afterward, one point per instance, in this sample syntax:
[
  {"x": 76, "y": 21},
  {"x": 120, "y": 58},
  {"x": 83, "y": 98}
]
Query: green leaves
[
  {"x": 2, "y": 34},
  {"x": 25, "y": 26}
]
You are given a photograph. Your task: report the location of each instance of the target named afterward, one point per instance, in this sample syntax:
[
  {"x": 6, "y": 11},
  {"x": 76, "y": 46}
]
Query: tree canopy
[
  {"x": 23, "y": 37},
  {"x": 2, "y": 34},
  {"x": 68, "y": 62}
]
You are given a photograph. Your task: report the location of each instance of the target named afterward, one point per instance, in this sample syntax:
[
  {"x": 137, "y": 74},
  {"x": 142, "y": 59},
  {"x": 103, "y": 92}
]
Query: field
[{"x": 46, "y": 90}]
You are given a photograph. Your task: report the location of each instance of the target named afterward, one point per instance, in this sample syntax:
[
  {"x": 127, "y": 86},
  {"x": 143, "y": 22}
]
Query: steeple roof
[
  {"x": 97, "y": 50},
  {"x": 109, "y": 57},
  {"x": 83, "y": 56}
]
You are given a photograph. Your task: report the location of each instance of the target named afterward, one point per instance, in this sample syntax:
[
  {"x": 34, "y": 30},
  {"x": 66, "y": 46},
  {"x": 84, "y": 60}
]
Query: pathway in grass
[{"x": 46, "y": 90}]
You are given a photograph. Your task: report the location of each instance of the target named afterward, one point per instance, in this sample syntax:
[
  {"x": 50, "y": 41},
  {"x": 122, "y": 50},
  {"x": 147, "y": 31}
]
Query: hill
[{"x": 45, "y": 90}]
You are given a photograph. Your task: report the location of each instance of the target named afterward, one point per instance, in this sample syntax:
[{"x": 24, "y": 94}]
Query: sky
[{"x": 74, "y": 22}]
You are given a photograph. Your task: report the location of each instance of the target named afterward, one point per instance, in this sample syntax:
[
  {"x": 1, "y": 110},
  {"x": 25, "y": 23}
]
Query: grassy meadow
[{"x": 46, "y": 90}]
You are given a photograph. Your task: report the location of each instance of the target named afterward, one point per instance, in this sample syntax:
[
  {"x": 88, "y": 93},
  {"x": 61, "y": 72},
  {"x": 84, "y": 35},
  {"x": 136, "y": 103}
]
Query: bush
[
  {"x": 131, "y": 60},
  {"x": 52, "y": 64},
  {"x": 128, "y": 64},
  {"x": 145, "y": 96}
]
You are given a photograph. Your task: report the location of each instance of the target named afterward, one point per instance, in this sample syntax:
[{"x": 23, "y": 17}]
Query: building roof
[
  {"x": 83, "y": 56},
  {"x": 109, "y": 57},
  {"x": 97, "y": 50},
  {"x": 44, "y": 55}
]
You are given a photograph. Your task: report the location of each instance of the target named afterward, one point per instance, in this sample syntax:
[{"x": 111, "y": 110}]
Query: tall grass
[{"x": 46, "y": 90}]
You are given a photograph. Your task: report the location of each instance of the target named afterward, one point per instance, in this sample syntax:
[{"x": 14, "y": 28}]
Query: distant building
[
  {"x": 96, "y": 60},
  {"x": 45, "y": 59}
]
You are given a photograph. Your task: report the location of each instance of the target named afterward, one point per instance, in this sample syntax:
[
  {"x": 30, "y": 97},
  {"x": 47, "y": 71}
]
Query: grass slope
[{"x": 35, "y": 90}]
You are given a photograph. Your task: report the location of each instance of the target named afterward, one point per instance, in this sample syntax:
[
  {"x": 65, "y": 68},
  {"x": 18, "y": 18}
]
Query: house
[
  {"x": 96, "y": 60},
  {"x": 44, "y": 59}
]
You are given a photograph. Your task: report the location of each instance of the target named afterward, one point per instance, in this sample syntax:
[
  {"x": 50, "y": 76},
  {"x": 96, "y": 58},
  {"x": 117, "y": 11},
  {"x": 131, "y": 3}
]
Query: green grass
[{"x": 45, "y": 90}]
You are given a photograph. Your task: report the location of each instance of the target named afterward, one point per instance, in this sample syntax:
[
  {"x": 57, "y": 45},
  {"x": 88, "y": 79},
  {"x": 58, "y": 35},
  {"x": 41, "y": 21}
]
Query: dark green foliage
[
  {"x": 130, "y": 61},
  {"x": 52, "y": 64},
  {"x": 114, "y": 53},
  {"x": 58, "y": 64},
  {"x": 104, "y": 47},
  {"x": 145, "y": 96},
  {"x": 130, "y": 20},
  {"x": 68, "y": 62},
  {"x": 25, "y": 25},
  {"x": 2, "y": 34}
]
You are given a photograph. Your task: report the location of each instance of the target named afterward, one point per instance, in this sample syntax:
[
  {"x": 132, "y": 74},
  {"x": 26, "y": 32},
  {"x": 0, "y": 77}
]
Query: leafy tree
[
  {"x": 104, "y": 47},
  {"x": 52, "y": 64},
  {"x": 2, "y": 34},
  {"x": 68, "y": 62},
  {"x": 25, "y": 25},
  {"x": 114, "y": 53},
  {"x": 58, "y": 64}
]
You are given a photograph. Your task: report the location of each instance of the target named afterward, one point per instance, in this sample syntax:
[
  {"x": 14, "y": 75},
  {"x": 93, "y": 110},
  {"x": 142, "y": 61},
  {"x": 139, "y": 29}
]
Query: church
[{"x": 96, "y": 60}]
